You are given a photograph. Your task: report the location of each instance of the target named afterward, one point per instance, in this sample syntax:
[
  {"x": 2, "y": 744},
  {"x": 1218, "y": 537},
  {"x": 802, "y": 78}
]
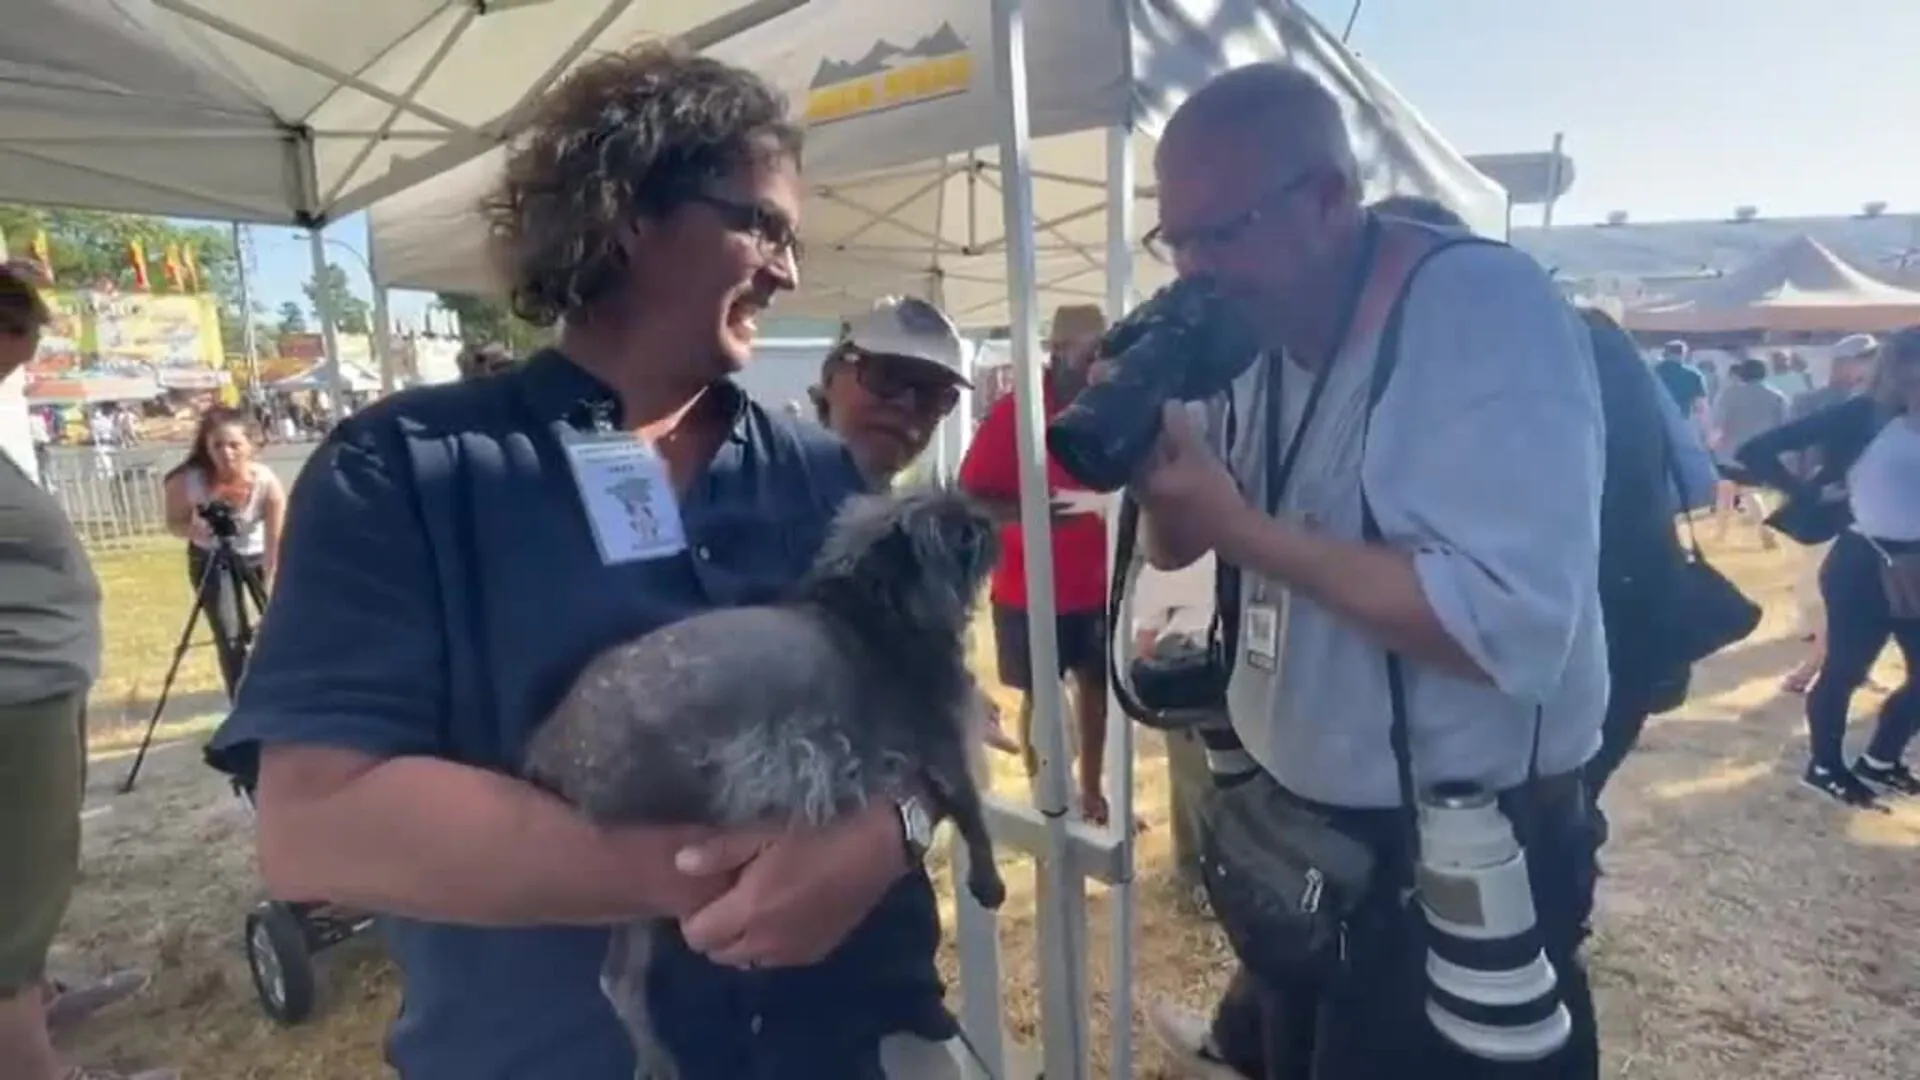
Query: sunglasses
[
  {"x": 775, "y": 234},
  {"x": 900, "y": 379}
]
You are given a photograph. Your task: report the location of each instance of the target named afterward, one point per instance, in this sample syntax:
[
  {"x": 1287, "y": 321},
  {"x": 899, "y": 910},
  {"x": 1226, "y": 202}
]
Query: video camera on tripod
[{"x": 219, "y": 516}]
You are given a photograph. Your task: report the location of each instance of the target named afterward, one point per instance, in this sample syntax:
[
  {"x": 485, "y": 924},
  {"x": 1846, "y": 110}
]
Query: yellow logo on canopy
[{"x": 888, "y": 77}]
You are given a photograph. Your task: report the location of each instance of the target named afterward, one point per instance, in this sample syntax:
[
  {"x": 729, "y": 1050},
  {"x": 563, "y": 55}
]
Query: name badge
[
  {"x": 1264, "y": 628},
  {"x": 628, "y": 495}
]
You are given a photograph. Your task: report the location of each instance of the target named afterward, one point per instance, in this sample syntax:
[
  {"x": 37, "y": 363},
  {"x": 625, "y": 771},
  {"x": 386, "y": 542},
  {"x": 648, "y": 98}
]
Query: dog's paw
[{"x": 988, "y": 888}]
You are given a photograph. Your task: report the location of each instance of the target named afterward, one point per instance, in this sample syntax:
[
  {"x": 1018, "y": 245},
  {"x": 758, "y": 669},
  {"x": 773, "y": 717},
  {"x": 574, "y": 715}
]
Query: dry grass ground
[{"x": 1748, "y": 929}]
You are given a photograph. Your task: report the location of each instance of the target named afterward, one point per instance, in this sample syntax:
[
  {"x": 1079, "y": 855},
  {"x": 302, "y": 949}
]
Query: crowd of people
[{"x": 1439, "y": 502}]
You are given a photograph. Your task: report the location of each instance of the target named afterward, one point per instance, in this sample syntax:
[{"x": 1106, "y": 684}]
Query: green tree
[
  {"x": 292, "y": 320},
  {"x": 330, "y": 295},
  {"x": 89, "y": 248},
  {"x": 484, "y": 321}
]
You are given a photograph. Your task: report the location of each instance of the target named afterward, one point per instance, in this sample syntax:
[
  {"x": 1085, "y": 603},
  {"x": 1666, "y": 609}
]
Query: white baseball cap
[
  {"x": 908, "y": 326},
  {"x": 1854, "y": 347}
]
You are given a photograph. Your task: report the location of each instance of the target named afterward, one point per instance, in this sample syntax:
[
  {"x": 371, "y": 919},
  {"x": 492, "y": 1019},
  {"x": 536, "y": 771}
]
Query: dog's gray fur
[{"x": 798, "y": 713}]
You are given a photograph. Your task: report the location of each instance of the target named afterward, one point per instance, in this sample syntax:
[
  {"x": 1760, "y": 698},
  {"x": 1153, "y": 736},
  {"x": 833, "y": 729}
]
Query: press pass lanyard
[{"x": 1280, "y": 468}]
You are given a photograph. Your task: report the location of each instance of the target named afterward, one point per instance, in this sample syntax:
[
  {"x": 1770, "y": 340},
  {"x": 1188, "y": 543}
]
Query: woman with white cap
[{"x": 895, "y": 374}]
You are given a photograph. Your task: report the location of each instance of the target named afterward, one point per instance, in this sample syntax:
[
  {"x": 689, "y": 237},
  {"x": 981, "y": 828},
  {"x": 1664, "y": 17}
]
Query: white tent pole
[
  {"x": 329, "y": 338},
  {"x": 1119, "y": 764},
  {"x": 1060, "y": 894},
  {"x": 382, "y": 340},
  {"x": 242, "y": 253}
]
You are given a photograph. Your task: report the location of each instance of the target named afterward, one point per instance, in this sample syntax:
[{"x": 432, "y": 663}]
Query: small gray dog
[{"x": 798, "y": 713}]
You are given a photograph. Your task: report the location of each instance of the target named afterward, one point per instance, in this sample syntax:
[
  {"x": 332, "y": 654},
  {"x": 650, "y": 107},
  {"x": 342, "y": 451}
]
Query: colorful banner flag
[
  {"x": 137, "y": 253},
  {"x": 172, "y": 270},
  {"x": 43, "y": 254},
  {"x": 191, "y": 261}
]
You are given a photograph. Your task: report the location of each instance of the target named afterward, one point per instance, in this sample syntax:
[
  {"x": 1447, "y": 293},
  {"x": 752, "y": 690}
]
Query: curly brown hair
[{"x": 630, "y": 134}]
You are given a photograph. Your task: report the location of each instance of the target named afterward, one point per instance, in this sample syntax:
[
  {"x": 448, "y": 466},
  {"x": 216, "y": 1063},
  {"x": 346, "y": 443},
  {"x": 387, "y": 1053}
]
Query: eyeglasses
[
  {"x": 1166, "y": 246},
  {"x": 898, "y": 379},
  {"x": 775, "y": 234}
]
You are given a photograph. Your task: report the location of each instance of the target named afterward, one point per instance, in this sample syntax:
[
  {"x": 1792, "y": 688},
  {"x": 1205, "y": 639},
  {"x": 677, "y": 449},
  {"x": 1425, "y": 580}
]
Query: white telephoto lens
[{"x": 1492, "y": 990}]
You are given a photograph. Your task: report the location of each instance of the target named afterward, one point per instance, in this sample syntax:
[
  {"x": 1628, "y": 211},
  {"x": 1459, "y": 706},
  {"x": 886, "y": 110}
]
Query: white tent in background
[
  {"x": 289, "y": 113},
  {"x": 315, "y": 377},
  {"x": 900, "y": 100},
  {"x": 1799, "y": 287}
]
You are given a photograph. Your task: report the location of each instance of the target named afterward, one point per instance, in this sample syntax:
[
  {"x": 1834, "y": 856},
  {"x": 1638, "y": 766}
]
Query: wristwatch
[{"x": 916, "y": 829}]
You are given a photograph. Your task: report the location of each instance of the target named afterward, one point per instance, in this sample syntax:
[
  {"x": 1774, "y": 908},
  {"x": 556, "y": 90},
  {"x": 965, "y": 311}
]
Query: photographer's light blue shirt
[{"x": 1484, "y": 460}]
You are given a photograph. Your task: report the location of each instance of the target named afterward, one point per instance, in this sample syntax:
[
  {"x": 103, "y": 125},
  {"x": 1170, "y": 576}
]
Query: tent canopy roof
[
  {"x": 1801, "y": 285},
  {"x": 289, "y": 113},
  {"x": 902, "y": 104}
]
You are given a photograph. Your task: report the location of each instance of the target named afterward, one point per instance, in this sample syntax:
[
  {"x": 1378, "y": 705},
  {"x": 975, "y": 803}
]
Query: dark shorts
[
  {"x": 1081, "y": 636},
  {"x": 42, "y": 776}
]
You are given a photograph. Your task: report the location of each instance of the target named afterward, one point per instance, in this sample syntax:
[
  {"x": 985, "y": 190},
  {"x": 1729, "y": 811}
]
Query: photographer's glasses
[
  {"x": 1166, "y": 246},
  {"x": 775, "y": 234}
]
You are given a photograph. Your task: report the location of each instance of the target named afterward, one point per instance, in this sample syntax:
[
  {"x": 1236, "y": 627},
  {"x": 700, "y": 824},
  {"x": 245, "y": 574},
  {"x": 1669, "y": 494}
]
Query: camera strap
[
  {"x": 1280, "y": 466},
  {"x": 1399, "y": 737}
]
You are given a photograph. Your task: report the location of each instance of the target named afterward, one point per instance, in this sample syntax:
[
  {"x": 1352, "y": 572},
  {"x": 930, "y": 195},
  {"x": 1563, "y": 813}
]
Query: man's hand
[
  {"x": 799, "y": 892},
  {"x": 1186, "y": 488}
]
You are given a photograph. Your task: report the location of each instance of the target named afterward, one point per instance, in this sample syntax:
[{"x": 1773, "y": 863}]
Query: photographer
[
  {"x": 454, "y": 563},
  {"x": 220, "y": 486},
  {"x": 1448, "y": 518}
]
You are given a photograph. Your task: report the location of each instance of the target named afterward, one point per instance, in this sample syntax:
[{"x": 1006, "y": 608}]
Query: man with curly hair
[{"x": 452, "y": 562}]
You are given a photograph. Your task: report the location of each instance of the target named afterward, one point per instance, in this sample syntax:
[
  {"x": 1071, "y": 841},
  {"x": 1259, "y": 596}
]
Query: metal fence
[
  {"x": 114, "y": 496},
  {"x": 111, "y": 507}
]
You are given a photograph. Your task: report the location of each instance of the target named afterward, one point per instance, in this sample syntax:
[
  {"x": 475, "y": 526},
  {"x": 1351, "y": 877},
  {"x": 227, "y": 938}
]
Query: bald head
[{"x": 1286, "y": 111}]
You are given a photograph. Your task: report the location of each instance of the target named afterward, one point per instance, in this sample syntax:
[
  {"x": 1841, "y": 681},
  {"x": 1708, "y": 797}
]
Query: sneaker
[
  {"x": 1896, "y": 778},
  {"x": 1188, "y": 1039},
  {"x": 1838, "y": 783}
]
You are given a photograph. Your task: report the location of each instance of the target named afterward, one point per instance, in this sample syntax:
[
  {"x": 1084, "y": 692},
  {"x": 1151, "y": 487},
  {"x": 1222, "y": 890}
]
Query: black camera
[
  {"x": 218, "y": 514},
  {"x": 1186, "y": 343}
]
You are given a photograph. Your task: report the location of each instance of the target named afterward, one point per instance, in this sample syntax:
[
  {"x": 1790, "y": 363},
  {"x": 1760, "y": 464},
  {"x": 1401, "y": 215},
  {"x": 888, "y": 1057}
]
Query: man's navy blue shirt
[{"x": 439, "y": 589}]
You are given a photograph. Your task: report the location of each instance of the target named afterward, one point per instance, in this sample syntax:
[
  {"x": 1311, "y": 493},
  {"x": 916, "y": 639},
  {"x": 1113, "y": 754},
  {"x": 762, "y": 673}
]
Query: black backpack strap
[{"x": 1386, "y": 359}]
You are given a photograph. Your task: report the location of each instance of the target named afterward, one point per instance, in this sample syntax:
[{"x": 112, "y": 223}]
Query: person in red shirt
[{"x": 990, "y": 472}]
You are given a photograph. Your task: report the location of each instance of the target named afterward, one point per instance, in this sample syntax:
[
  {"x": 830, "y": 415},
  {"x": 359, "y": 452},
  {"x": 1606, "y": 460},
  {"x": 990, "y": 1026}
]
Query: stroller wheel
[{"x": 281, "y": 961}]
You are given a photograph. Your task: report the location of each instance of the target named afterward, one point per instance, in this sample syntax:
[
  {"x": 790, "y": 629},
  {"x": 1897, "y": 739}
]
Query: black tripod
[{"x": 224, "y": 569}]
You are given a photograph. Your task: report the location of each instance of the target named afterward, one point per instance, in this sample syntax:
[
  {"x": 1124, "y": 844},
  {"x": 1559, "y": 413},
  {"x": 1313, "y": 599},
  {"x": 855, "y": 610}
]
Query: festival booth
[
  {"x": 932, "y": 126},
  {"x": 1800, "y": 287}
]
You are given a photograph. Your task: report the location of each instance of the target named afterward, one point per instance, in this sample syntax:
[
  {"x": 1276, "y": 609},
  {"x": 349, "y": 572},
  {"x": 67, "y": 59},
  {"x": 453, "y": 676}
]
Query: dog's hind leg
[
  {"x": 623, "y": 978},
  {"x": 959, "y": 797}
]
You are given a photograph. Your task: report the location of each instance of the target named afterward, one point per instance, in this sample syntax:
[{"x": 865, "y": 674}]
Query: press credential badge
[
  {"x": 628, "y": 496},
  {"x": 1265, "y": 626}
]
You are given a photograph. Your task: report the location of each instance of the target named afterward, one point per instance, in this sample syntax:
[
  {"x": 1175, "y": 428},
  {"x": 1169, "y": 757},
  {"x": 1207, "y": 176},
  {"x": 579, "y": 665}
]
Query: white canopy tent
[
  {"x": 900, "y": 158},
  {"x": 291, "y": 113},
  {"x": 1800, "y": 286},
  {"x": 912, "y": 109}
]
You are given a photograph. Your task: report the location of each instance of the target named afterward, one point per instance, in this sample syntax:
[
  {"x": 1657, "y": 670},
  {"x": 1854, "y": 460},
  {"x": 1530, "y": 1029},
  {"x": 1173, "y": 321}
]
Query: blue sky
[{"x": 1672, "y": 109}]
